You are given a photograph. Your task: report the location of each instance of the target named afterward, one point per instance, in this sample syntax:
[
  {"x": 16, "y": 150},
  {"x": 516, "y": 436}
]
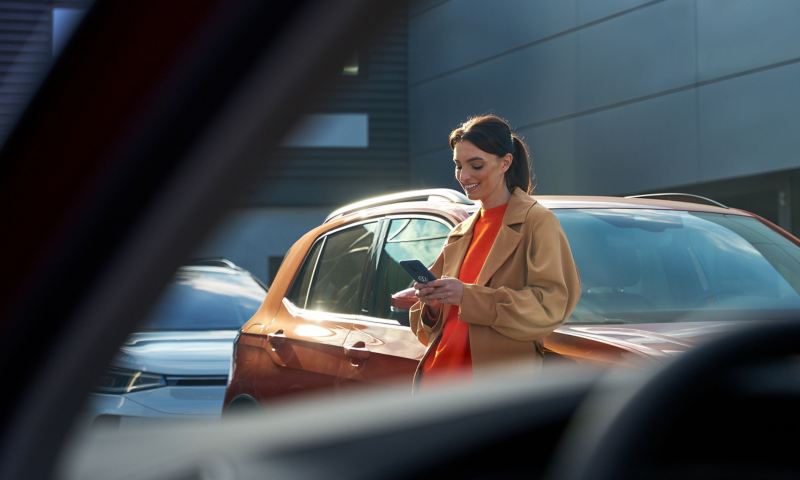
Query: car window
[
  {"x": 650, "y": 266},
  {"x": 299, "y": 292},
  {"x": 336, "y": 285},
  {"x": 407, "y": 239},
  {"x": 204, "y": 300}
]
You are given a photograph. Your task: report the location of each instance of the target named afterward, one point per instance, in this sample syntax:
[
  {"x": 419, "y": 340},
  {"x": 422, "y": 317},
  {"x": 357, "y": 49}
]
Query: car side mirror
[{"x": 401, "y": 304}]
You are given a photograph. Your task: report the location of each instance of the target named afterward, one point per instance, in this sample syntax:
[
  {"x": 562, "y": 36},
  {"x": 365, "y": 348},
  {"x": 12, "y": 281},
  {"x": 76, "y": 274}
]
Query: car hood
[
  {"x": 655, "y": 340},
  {"x": 178, "y": 353}
]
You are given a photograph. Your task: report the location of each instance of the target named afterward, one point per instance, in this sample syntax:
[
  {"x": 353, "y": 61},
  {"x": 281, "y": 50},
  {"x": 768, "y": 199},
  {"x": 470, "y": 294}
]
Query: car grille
[{"x": 198, "y": 381}]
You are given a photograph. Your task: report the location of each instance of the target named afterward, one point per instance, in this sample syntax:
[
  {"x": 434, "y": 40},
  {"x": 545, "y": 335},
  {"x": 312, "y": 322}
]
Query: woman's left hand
[{"x": 446, "y": 290}]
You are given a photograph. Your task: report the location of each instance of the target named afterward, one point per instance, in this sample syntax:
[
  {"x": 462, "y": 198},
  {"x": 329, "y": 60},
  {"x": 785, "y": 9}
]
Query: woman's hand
[
  {"x": 424, "y": 291},
  {"x": 446, "y": 290}
]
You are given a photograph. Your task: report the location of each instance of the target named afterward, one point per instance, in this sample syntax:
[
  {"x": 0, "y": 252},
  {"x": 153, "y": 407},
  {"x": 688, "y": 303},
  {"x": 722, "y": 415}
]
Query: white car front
[{"x": 177, "y": 366}]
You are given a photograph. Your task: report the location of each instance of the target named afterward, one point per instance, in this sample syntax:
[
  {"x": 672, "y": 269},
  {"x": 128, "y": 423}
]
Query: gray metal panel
[
  {"x": 460, "y": 33},
  {"x": 593, "y": 10},
  {"x": 433, "y": 169},
  {"x": 331, "y": 191},
  {"x": 418, "y": 7},
  {"x": 749, "y": 124},
  {"x": 735, "y": 35},
  {"x": 641, "y": 53},
  {"x": 627, "y": 121},
  {"x": 526, "y": 86},
  {"x": 552, "y": 149},
  {"x": 646, "y": 145}
]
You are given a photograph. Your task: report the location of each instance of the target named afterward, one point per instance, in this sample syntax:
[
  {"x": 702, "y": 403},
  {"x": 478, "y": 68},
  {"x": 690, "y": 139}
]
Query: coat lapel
[
  {"x": 508, "y": 237},
  {"x": 504, "y": 245}
]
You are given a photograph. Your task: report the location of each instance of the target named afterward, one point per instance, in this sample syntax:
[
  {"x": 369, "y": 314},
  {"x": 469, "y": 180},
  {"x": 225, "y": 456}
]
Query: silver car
[{"x": 177, "y": 366}]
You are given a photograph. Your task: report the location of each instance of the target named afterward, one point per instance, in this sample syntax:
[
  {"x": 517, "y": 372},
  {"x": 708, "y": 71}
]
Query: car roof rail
[
  {"x": 211, "y": 262},
  {"x": 442, "y": 194},
  {"x": 680, "y": 197}
]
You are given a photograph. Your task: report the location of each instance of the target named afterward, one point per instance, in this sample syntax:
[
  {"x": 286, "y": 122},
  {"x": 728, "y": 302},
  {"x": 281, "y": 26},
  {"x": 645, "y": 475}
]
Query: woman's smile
[{"x": 469, "y": 187}]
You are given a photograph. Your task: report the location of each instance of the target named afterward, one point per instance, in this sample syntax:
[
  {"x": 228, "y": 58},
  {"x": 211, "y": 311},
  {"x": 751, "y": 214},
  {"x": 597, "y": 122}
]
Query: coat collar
[
  {"x": 518, "y": 206},
  {"x": 507, "y": 238}
]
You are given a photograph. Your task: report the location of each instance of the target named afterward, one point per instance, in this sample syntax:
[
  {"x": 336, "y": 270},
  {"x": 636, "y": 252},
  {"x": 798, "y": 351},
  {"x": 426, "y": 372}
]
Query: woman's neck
[{"x": 501, "y": 197}]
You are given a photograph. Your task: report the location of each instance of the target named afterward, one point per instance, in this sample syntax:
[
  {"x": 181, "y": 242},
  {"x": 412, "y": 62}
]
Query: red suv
[{"x": 657, "y": 275}]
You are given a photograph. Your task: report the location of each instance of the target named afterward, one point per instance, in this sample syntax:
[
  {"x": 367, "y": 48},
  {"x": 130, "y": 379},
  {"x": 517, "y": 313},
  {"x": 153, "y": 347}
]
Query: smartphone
[{"x": 417, "y": 270}]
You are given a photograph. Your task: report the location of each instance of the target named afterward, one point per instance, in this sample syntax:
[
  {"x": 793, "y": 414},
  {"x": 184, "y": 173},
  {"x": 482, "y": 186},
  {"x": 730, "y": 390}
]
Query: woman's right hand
[{"x": 425, "y": 293}]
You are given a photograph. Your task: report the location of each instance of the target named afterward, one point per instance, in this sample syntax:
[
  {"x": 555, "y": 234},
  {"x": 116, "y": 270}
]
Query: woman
[{"x": 506, "y": 277}]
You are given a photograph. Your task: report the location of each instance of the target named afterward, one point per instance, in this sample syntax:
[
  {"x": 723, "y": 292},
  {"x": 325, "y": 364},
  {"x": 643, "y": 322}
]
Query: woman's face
[{"x": 481, "y": 174}]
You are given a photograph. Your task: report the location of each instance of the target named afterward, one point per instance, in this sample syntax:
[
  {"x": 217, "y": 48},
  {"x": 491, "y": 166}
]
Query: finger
[
  {"x": 443, "y": 282},
  {"x": 423, "y": 294}
]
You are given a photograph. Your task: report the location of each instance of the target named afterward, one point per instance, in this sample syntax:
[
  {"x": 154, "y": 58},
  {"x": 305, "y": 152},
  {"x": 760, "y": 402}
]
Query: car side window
[
  {"x": 299, "y": 292},
  {"x": 407, "y": 239},
  {"x": 336, "y": 283}
]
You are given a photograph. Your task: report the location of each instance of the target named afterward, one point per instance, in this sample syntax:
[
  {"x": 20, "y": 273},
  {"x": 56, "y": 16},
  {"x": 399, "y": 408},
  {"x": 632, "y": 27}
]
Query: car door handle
[
  {"x": 276, "y": 339},
  {"x": 276, "y": 347},
  {"x": 357, "y": 353}
]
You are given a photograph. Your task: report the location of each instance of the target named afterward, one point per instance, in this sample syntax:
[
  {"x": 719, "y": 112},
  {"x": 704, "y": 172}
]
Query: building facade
[{"x": 620, "y": 96}]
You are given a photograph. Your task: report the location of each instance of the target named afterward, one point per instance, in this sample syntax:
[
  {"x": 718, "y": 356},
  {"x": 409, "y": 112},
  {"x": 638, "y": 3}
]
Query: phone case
[{"x": 417, "y": 270}]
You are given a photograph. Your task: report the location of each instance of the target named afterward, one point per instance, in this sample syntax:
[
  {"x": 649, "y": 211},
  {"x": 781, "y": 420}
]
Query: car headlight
[
  {"x": 118, "y": 380},
  {"x": 233, "y": 358}
]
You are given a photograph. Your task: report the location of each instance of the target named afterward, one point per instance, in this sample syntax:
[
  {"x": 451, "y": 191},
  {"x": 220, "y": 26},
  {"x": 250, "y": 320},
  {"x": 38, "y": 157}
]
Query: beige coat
[{"x": 525, "y": 290}]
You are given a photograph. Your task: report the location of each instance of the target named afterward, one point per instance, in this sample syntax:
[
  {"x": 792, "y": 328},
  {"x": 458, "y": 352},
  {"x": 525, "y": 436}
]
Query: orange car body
[{"x": 284, "y": 349}]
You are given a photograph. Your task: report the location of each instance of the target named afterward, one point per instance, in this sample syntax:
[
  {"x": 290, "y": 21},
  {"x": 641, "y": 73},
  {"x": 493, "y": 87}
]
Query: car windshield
[
  {"x": 206, "y": 300},
  {"x": 646, "y": 266}
]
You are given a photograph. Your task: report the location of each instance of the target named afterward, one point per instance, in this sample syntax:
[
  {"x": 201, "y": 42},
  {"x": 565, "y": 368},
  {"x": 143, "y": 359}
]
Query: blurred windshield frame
[{"x": 126, "y": 183}]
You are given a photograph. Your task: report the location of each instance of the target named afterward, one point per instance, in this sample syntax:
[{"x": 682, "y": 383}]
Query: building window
[
  {"x": 331, "y": 130},
  {"x": 351, "y": 67},
  {"x": 64, "y": 22}
]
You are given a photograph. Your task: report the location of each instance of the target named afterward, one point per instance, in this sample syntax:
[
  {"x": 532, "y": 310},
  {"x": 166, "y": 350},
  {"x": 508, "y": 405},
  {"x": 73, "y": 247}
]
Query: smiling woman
[{"x": 506, "y": 276}]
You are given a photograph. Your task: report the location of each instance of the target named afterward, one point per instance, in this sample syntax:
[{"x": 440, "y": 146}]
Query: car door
[
  {"x": 381, "y": 346},
  {"x": 306, "y": 340}
]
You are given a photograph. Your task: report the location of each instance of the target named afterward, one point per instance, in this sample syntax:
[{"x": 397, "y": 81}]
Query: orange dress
[{"x": 452, "y": 355}]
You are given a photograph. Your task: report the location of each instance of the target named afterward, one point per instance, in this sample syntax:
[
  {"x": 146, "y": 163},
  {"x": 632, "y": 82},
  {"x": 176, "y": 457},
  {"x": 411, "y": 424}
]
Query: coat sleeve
[
  {"x": 422, "y": 328},
  {"x": 552, "y": 288}
]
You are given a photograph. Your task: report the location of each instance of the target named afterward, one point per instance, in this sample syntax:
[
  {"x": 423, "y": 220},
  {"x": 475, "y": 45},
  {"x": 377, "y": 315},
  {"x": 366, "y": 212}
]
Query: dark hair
[{"x": 492, "y": 134}]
